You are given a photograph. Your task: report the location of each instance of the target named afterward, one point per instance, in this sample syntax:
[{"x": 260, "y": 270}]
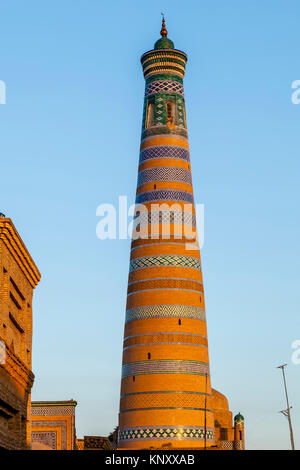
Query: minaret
[
  {"x": 239, "y": 432},
  {"x": 165, "y": 389}
]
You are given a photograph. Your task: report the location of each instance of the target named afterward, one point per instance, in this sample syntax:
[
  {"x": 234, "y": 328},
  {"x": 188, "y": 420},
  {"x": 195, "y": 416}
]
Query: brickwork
[
  {"x": 166, "y": 396},
  {"x": 18, "y": 278}
]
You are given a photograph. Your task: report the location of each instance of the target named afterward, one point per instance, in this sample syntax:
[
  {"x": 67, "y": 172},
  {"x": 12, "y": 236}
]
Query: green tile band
[{"x": 166, "y": 432}]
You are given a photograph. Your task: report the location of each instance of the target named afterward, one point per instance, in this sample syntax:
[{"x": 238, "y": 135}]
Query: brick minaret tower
[{"x": 165, "y": 390}]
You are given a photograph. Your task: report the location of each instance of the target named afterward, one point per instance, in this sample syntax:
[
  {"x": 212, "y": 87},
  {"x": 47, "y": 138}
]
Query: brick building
[
  {"x": 53, "y": 425},
  {"x": 93, "y": 443},
  {"x": 18, "y": 278}
]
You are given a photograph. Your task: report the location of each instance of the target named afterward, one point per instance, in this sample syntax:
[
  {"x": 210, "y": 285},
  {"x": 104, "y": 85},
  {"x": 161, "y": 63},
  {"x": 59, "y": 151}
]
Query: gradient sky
[{"x": 69, "y": 141}]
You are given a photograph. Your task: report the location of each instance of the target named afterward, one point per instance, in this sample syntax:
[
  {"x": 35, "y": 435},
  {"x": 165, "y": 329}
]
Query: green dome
[
  {"x": 164, "y": 43},
  {"x": 239, "y": 418}
]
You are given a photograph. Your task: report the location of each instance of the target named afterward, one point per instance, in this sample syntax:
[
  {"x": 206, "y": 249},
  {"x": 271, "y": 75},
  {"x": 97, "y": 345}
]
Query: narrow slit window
[
  {"x": 170, "y": 112},
  {"x": 133, "y": 378},
  {"x": 184, "y": 116},
  {"x": 149, "y": 356},
  {"x": 150, "y": 115},
  {"x": 179, "y": 321}
]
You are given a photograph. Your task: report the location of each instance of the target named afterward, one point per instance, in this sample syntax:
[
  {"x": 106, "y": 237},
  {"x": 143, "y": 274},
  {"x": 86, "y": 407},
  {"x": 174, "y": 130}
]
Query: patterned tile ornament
[
  {"x": 163, "y": 130},
  {"x": 169, "y": 311},
  {"x": 164, "y": 260},
  {"x": 62, "y": 424},
  {"x": 166, "y": 432},
  {"x": 164, "y": 86},
  {"x": 160, "y": 124},
  {"x": 163, "y": 400},
  {"x": 239, "y": 445},
  {"x": 164, "y": 61},
  {"x": 165, "y": 338},
  {"x": 169, "y": 283},
  {"x": 168, "y": 63},
  {"x": 227, "y": 445},
  {"x": 48, "y": 438},
  {"x": 165, "y": 366},
  {"x": 165, "y": 195},
  {"x": 162, "y": 333},
  {"x": 52, "y": 410},
  {"x": 165, "y": 76},
  {"x": 164, "y": 173},
  {"x": 164, "y": 151},
  {"x": 166, "y": 217}
]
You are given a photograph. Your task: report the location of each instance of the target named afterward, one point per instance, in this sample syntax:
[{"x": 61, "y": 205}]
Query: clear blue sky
[{"x": 69, "y": 140}]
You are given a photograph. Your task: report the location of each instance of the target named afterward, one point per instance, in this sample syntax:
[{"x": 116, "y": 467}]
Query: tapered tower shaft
[{"x": 165, "y": 386}]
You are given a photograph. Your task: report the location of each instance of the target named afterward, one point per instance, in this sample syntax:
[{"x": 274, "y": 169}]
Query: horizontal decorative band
[
  {"x": 166, "y": 279},
  {"x": 160, "y": 68},
  {"x": 172, "y": 239},
  {"x": 164, "y": 151},
  {"x": 153, "y": 231},
  {"x": 166, "y": 64},
  {"x": 164, "y": 76},
  {"x": 164, "y": 130},
  {"x": 164, "y": 173},
  {"x": 153, "y": 72},
  {"x": 154, "y": 392},
  {"x": 164, "y": 53},
  {"x": 158, "y": 400},
  {"x": 164, "y": 86},
  {"x": 165, "y": 217},
  {"x": 177, "y": 284},
  {"x": 165, "y": 366},
  {"x": 166, "y": 408},
  {"x": 169, "y": 311},
  {"x": 164, "y": 260},
  {"x": 161, "y": 289},
  {"x": 165, "y": 195},
  {"x": 165, "y": 338},
  {"x": 165, "y": 333},
  {"x": 165, "y": 344},
  {"x": 165, "y": 58},
  {"x": 163, "y": 139},
  {"x": 166, "y": 243},
  {"x": 52, "y": 410},
  {"x": 166, "y": 433}
]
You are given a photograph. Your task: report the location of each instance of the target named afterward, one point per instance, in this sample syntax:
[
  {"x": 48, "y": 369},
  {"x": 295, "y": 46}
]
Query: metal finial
[{"x": 163, "y": 31}]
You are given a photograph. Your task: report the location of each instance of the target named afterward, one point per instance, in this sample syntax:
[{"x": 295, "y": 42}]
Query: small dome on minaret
[
  {"x": 164, "y": 42},
  {"x": 239, "y": 418}
]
